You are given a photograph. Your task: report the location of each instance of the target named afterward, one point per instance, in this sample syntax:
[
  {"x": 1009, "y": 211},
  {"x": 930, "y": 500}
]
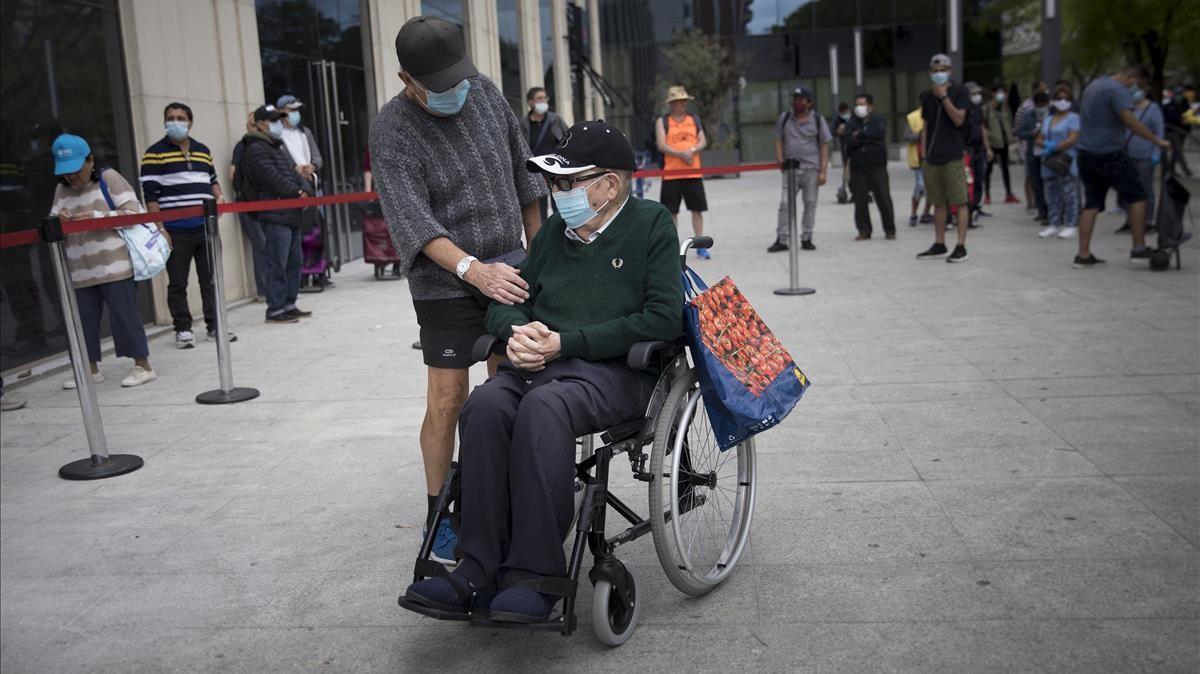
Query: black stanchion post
[
  {"x": 790, "y": 166},
  {"x": 228, "y": 393},
  {"x": 101, "y": 463}
]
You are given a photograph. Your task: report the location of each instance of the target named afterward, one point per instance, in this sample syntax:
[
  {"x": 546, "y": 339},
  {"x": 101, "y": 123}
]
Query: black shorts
[
  {"x": 690, "y": 190},
  {"x": 1115, "y": 171},
  {"x": 449, "y": 329}
]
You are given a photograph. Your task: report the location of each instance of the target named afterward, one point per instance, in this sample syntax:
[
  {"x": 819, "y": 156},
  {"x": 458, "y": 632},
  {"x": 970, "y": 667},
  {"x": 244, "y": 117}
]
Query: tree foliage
[
  {"x": 1100, "y": 33},
  {"x": 708, "y": 69}
]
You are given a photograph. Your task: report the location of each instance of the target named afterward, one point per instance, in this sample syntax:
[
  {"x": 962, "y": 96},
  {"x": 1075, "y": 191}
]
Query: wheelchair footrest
[
  {"x": 431, "y": 612},
  {"x": 554, "y": 624}
]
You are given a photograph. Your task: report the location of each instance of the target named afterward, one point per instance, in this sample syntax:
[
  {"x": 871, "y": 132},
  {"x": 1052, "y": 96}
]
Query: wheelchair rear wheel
[{"x": 701, "y": 499}]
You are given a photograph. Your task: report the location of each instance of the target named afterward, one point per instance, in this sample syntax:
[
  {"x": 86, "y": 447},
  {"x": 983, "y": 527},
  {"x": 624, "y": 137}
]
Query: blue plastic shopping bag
[{"x": 748, "y": 380}]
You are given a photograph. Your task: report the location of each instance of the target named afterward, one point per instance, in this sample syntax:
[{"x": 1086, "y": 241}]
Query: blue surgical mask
[
  {"x": 574, "y": 207},
  {"x": 1137, "y": 94},
  {"x": 176, "y": 130},
  {"x": 294, "y": 118},
  {"x": 275, "y": 129},
  {"x": 449, "y": 102},
  {"x": 939, "y": 78}
]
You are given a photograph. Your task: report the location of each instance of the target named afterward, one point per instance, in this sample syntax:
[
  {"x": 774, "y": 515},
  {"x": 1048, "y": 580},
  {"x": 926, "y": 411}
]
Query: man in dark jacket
[
  {"x": 864, "y": 140},
  {"x": 543, "y": 129},
  {"x": 268, "y": 172}
]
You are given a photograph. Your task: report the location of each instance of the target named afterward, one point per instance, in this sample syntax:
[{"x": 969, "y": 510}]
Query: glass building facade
[
  {"x": 785, "y": 43},
  {"x": 61, "y": 69}
]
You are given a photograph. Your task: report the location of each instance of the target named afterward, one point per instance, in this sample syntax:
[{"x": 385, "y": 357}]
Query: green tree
[
  {"x": 1142, "y": 31},
  {"x": 708, "y": 69}
]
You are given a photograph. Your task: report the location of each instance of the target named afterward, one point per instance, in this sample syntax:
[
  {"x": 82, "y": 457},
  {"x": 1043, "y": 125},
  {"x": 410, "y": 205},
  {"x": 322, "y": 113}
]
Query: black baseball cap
[
  {"x": 586, "y": 146},
  {"x": 432, "y": 50},
  {"x": 803, "y": 92},
  {"x": 267, "y": 113}
]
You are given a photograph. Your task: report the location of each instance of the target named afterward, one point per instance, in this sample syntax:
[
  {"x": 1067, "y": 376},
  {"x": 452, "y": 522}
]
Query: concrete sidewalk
[{"x": 997, "y": 468}]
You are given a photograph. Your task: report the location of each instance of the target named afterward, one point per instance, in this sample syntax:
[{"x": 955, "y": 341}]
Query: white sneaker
[
  {"x": 1049, "y": 231},
  {"x": 1068, "y": 232},
  {"x": 69, "y": 384},
  {"x": 9, "y": 403},
  {"x": 138, "y": 376},
  {"x": 184, "y": 339},
  {"x": 211, "y": 335}
]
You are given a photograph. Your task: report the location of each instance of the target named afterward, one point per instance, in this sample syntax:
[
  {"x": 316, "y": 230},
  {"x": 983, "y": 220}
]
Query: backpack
[
  {"x": 820, "y": 123},
  {"x": 243, "y": 189},
  {"x": 660, "y": 158}
]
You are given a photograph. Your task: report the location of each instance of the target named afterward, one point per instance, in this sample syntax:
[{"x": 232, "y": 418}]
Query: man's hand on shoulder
[{"x": 499, "y": 282}]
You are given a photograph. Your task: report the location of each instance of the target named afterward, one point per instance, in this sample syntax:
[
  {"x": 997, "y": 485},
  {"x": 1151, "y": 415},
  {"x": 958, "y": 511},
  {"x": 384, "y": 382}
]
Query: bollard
[
  {"x": 101, "y": 464},
  {"x": 790, "y": 166},
  {"x": 227, "y": 394}
]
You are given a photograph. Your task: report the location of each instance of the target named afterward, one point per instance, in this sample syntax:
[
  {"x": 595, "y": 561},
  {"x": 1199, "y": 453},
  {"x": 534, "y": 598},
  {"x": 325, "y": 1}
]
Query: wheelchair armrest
[
  {"x": 640, "y": 353},
  {"x": 485, "y": 346}
]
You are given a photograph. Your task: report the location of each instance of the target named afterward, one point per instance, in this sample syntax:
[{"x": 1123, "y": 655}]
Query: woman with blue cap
[{"x": 101, "y": 270}]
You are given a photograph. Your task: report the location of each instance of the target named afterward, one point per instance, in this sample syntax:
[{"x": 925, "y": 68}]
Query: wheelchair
[{"x": 701, "y": 500}]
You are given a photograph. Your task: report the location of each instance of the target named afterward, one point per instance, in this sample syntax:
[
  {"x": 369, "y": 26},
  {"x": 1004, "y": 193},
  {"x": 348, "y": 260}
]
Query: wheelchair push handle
[{"x": 696, "y": 242}]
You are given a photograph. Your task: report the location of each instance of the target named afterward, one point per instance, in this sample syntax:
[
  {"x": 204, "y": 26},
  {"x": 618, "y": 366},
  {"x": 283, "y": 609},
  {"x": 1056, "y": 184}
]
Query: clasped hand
[{"x": 532, "y": 346}]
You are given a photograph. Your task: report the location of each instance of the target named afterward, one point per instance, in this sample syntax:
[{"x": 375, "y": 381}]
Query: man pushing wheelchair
[{"x": 603, "y": 274}]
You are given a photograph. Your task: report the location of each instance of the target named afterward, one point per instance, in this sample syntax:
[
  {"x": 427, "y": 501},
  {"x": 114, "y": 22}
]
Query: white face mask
[
  {"x": 976, "y": 99},
  {"x": 999, "y": 97},
  {"x": 1062, "y": 105},
  {"x": 541, "y": 107},
  {"x": 861, "y": 111}
]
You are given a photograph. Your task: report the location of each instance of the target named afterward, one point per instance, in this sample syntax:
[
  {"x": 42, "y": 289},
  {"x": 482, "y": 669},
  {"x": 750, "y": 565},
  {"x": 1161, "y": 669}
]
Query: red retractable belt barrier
[
  {"x": 707, "y": 170},
  {"x": 28, "y": 236}
]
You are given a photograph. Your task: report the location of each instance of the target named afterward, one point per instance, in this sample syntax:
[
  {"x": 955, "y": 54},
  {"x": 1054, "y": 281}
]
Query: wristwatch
[{"x": 463, "y": 265}]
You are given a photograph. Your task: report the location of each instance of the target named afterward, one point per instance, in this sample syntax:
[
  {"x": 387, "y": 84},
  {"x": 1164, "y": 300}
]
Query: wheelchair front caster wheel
[
  {"x": 612, "y": 620},
  {"x": 1161, "y": 260}
]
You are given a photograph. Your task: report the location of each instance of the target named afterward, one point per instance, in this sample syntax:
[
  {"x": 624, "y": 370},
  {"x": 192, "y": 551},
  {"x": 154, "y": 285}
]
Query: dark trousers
[
  {"x": 258, "y": 246},
  {"x": 873, "y": 180},
  {"x": 518, "y": 434},
  {"x": 129, "y": 337},
  {"x": 282, "y": 244},
  {"x": 187, "y": 245},
  {"x": 999, "y": 156},
  {"x": 1033, "y": 169}
]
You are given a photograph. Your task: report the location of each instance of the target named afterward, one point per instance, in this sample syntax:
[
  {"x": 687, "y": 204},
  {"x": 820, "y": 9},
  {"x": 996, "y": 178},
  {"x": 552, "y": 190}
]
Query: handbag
[
  {"x": 747, "y": 379},
  {"x": 1059, "y": 163},
  {"x": 148, "y": 248}
]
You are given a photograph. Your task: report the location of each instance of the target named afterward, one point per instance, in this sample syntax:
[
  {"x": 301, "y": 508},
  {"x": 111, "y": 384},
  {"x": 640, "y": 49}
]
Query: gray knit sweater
[{"x": 461, "y": 177}]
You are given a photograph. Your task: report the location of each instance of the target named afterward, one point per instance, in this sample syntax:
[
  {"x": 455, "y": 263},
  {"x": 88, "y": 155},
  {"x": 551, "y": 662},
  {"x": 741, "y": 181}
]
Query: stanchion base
[
  {"x": 234, "y": 395},
  {"x": 84, "y": 469},
  {"x": 795, "y": 291}
]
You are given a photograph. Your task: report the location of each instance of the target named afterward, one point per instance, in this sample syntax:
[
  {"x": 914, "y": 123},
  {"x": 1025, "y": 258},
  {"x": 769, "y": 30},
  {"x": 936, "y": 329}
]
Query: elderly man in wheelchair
[{"x": 603, "y": 274}]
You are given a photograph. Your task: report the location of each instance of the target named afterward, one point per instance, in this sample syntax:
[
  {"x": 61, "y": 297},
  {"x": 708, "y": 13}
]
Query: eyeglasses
[{"x": 566, "y": 184}]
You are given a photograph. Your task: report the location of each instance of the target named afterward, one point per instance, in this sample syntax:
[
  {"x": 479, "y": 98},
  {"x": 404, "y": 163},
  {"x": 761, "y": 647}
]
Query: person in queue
[
  {"x": 543, "y": 128},
  {"x": 944, "y": 108},
  {"x": 449, "y": 164},
  {"x": 680, "y": 138},
  {"x": 801, "y": 136},
  {"x": 268, "y": 173},
  {"x": 178, "y": 171},
  {"x": 603, "y": 273},
  {"x": 865, "y": 138},
  {"x": 1105, "y": 112},
  {"x": 101, "y": 270}
]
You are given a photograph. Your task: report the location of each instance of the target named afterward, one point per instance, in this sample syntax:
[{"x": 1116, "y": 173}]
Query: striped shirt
[
  {"x": 99, "y": 256},
  {"x": 173, "y": 178}
]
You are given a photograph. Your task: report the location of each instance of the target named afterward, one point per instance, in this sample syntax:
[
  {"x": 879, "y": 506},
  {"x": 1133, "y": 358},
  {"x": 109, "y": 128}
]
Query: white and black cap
[{"x": 586, "y": 146}]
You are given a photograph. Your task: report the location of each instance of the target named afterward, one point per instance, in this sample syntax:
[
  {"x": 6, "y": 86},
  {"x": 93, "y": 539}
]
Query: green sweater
[{"x": 601, "y": 297}]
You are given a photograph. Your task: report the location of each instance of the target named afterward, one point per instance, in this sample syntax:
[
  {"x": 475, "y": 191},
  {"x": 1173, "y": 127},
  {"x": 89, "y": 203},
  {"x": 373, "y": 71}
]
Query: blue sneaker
[
  {"x": 703, "y": 254},
  {"x": 445, "y": 543}
]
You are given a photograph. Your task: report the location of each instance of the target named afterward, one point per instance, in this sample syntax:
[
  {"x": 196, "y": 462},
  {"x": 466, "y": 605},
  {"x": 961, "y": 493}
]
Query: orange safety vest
[{"x": 681, "y": 135}]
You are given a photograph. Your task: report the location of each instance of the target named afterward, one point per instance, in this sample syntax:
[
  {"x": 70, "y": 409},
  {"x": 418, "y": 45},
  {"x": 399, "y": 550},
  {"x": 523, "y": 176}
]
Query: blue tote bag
[{"x": 747, "y": 378}]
